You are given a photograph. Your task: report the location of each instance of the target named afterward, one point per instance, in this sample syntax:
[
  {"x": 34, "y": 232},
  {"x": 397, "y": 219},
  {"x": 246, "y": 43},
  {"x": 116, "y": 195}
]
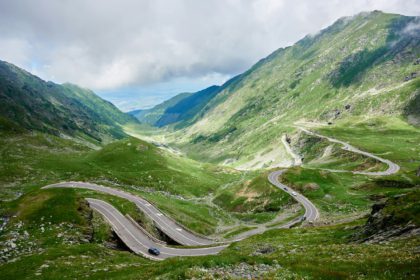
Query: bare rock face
[
  {"x": 264, "y": 250},
  {"x": 412, "y": 75},
  {"x": 395, "y": 218}
]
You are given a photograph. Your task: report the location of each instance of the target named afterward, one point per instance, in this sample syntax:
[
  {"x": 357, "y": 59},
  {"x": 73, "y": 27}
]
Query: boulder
[{"x": 311, "y": 186}]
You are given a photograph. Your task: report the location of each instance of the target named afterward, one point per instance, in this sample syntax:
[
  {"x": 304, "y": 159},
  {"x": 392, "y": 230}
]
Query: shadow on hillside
[{"x": 397, "y": 48}]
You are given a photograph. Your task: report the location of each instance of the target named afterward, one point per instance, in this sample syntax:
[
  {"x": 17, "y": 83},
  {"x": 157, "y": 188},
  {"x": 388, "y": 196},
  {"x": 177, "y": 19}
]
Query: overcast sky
[{"x": 138, "y": 53}]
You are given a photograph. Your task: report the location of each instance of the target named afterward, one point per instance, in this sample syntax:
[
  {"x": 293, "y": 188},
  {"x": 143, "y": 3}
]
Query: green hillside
[
  {"x": 185, "y": 109},
  {"x": 364, "y": 65},
  {"x": 356, "y": 81},
  {"x": 152, "y": 116},
  {"x": 180, "y": 110},
  {"x": 46, "y": 132},
  {"x": 30, "y": 103}
]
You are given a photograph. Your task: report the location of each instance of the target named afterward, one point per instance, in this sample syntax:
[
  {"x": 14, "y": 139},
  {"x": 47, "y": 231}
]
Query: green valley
[
  {"x": 305, "y": 166},
  {"x": 359, "y": 66}
]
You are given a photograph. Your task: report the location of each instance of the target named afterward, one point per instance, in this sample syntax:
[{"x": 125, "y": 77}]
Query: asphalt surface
[
  {"x": 164, "y": 223},
  {"x": 311, "y": 212},
  {"x": 392, "y": 167},
  {"x": 138, "y": 241}
]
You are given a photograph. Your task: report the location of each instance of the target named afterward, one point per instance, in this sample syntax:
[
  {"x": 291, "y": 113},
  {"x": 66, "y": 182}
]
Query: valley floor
[{"x": 50, "y": 233}]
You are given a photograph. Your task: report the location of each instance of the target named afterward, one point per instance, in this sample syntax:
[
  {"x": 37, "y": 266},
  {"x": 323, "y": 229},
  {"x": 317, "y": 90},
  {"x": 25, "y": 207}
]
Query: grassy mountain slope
[
  {"x": 37, "y": 118},
  {"x": 32, "y": 104},
  {"x": 180, "y": 109},
  {"x": 53, "y": 233},
  {"x": 364, "y": 65},
  {"x": 181, "y": 187},
  {"x": 151, "y": 116},
  {"x": 185, "y": 108}
]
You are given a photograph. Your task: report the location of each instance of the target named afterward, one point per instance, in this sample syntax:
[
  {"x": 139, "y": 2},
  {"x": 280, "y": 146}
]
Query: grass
[
  {"x": 44, "y": 219},
  {"x": 299, "y": 213},
  {"x": 134, "y": 162},
  {"x": 237, "y": 231},
  {"x": 177, "y": 185},
  {"x": 323, "y": 252},
  {"x": 49, "y": 206},
  {"x": 55, "y": 235},
  {"x": 389, "y": 137},
  {"x": 253, "y": 200},
  {"x": 321, "y": 153},
  {"x": 101, "y": 229},
  {"x": 65, "y": 204},
  {"x": 314, "y": 80},
  {"x": 199, "y": 217},
  {"x": 31, "y": 161},
  {"x": 404, "y": 209},
  {"x": 333, "y": 193},
  {"x": 340, "y": 194},
  {"x": 125, "y": 207},
  {"x": 313, "y": 253}
]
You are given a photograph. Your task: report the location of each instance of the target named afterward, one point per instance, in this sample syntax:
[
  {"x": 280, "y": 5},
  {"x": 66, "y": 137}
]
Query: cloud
[
  {"x": 15, "y": 50},
  {"x": 413, "y": 28},
  {"x": 125, "y": 43}
]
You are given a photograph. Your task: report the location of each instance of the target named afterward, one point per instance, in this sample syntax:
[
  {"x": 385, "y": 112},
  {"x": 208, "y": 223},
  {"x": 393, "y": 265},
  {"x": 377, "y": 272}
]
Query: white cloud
[
  {"x": 15, "y": 50},
  {"x": 413, "y": 28},
  {"x": 119, "y": 43}
]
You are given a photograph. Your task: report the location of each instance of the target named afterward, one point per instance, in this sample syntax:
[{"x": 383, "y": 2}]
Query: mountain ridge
[
  {"x": 366, "y": 64},
  {"x": 31, "y": 103}
]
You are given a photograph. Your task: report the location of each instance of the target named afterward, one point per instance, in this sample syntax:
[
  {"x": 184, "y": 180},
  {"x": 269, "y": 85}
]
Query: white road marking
[
  {"x": 140, "y": 202},
  {"x": 177, "y": 252},
  {"x": 311, "y": 212}
]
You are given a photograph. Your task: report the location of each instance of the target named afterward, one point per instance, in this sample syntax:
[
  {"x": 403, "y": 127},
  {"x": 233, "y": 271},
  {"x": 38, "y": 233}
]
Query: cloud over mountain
[{"x": 106, "y": 45}]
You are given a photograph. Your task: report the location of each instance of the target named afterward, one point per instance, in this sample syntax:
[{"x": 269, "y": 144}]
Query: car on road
[
  {"x": 154, "y": 251},
  {"x": 294, "y": 193},
  {"x": 285, "y": 189}
]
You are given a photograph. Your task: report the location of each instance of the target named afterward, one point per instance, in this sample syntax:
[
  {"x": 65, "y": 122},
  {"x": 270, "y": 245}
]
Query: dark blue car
[{"x": 154, "y": 251}]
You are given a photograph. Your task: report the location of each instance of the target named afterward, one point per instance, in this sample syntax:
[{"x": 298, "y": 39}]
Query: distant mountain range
[
  {"x": 181, "y": 109},
  {"x": 30, "y": 104},
  {"x": 361, "y": 66}
]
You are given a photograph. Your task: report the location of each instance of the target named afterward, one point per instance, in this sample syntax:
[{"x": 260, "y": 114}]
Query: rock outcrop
[{"x": 396, "y": 218}]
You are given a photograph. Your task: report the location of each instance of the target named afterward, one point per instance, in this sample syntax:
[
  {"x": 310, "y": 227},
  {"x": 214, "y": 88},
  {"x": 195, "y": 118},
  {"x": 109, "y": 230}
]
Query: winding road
[
  {"x": 137, "y": 239},
  {"x": 139, "y": 242},
  {"x": 311, "y": 212},
  {"x": 163, "y": 222},
  {"x": 392, "y": 167}
]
